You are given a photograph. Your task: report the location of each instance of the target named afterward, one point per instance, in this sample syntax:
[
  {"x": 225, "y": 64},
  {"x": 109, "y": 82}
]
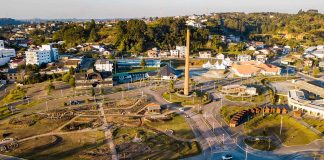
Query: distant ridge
[{"x": 10, "y": 21}]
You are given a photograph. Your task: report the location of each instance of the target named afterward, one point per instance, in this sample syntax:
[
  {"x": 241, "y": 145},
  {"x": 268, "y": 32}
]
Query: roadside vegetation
[
  {"x": 293, "y": 133},
  {"x": 317, "y": 123},
  {"x": 14, "y": 95},
  {"x": 177, "y": 124}
]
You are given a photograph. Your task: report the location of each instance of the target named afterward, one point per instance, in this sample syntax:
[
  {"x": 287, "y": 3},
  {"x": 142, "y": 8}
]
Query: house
[
  {"x": 251, "y": 48},
  {"x": 72, "y": 63},
  {"x": 16, "y": 62},
  {"x": 174, "y": 53},
  {"x": 153, "y": 53},
  {"x": 182, "y": 51},
  {"x": 308, "y": 63},
  {"x": 243, "y": 57},
  {"x": 153, "y": 108},
  {"x": 93, "y": 78},
  {"x": 103, "y": 65},
  {"x": 321, "y": 65},
  {"x": 220, "y": 56},
  {"x": 13, "y": 75},
  {"x": 205, "y": 54},
  {"x": 168, "y": 73},
  {"x": 261, "y": 58},
  {"x": 164, "y": 54},
  {"x": 286, "y": 49}
]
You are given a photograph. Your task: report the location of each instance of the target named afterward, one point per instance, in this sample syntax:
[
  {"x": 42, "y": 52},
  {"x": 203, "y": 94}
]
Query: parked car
[{"x": 227, "y": 157}]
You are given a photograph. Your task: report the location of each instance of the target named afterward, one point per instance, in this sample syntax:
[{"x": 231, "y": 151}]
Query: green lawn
[
  {"x": 178, "y": 125},
  {"x": 255, "y": 99},
  {"x": 263, "y": 145},
  {"x": 185, "y": 100},
  {"x": 315, "y": 122},
  {"x": 293, "y": 133},
  {"x": 70, "y": 146},
  {"x": 228, "y": 112},
  {"x": 161, "y": 146},
  {"x": 14, "y": 95}
]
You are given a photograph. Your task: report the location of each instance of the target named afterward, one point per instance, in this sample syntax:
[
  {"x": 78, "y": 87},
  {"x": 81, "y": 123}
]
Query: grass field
[
  {"x": 178, "y": 125},
  {"x": 255, "y": 99},
  {"x": 160, "y": 146},
  {"x": 228, "y": 112},
  {"x": 315, "y": 122},
  {"x": 185, "y": 100},
  {"x": 293, "y": 133},
  {"x": 23, "y": 131},
  {"x": 261, "y": 145},
  {"x": 14, "y": 95},
  {"x": 66, "y": 147}
]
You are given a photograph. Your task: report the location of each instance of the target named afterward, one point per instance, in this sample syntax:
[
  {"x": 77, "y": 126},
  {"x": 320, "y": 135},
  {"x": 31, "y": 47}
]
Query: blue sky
[{"x": 22, "y": 9}]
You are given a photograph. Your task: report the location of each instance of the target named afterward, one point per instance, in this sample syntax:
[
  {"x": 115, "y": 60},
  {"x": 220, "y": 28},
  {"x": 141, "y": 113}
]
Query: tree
[
  {"x": 50, "y": 87},
  {"x": 316, "y": 72},
  {"x": 72, "y": 82},
  {"x": 66, "y": 77},
  {"x": 143, "y": 63},
  {"x": 171, "y": 85},
  {"x": 93, "y": 37},
  {"x": 306, "y": 69}
]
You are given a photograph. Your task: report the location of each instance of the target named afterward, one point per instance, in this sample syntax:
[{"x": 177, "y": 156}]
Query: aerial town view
[{"x": 162, "y": 80}]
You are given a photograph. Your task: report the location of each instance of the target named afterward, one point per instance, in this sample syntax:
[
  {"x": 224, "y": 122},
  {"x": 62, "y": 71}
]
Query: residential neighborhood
[{"x": 168, "y": 85}]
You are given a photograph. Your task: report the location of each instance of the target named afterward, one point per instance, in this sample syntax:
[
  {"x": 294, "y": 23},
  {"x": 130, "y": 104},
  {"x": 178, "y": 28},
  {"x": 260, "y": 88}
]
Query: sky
[{"x": 87, "y": 9}]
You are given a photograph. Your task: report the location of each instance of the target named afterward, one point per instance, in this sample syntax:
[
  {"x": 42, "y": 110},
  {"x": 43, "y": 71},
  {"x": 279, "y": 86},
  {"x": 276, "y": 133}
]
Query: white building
[
  {"x": 313, "y": 52},
  {"x": 182, "y": 51},
  {"x": 220, "y": 56},
  {"x": 174, "y": 53},
  {"x": 244, "y": 58},
  {"x": 43, "y": 55},
  {"x": 5, "y": 54},
  {"x": 286, "y": 50},
  {"x": 297, "y": 101},
  {"x": 104, "y": 65},
  {"x": 205, "y": 54}
]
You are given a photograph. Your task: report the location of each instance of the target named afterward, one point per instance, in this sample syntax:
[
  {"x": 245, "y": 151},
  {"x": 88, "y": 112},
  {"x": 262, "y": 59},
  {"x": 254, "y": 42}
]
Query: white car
[
  {"x": 181, "y": 109},
  {"x": 227, "y": 157}
]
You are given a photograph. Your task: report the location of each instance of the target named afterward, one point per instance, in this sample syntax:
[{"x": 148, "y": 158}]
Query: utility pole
[
  {"x": 61, "y": 93},
  {"x": 223, "y": 139},
  {"x": 246, "y": 153}
]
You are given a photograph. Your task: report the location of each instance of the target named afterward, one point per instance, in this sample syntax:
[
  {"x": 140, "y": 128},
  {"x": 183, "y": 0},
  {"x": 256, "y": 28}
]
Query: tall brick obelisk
[{"x": 186, "y": 83}]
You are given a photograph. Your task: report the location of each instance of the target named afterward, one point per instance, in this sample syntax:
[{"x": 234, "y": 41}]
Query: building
[
  {"x": 5, "y": 54},
  {"x": 153, "y": 108},
  {"x": 174, "y": 53},
  {"x": 135, "y": 63},
  {"x": 93, "y": 78},
  {"x": 220, "y": 56},
  {"x": 182, "y": 51},
  {"x": 298, "y": 102},
  {"x": 168, "y": 73},
  {"x": 72, "y": 63},
  {"x": 153, "y": 53},
  {"x": 13, "y": 75},
  {"x": 261, "y": 58},
  {"x": 104, "y": 65},
  {"x": 16, "y": 62},
  {"x": 244, "y": 58},
  {"x": 253, "y": 68},
  {"x": 164, "y": 54},
  {"x": 43, "y": 55},
  {"x": 321, "y": 65},
  {"x": 315, "y": 51},
  {"x": 205, "y": 54}
]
